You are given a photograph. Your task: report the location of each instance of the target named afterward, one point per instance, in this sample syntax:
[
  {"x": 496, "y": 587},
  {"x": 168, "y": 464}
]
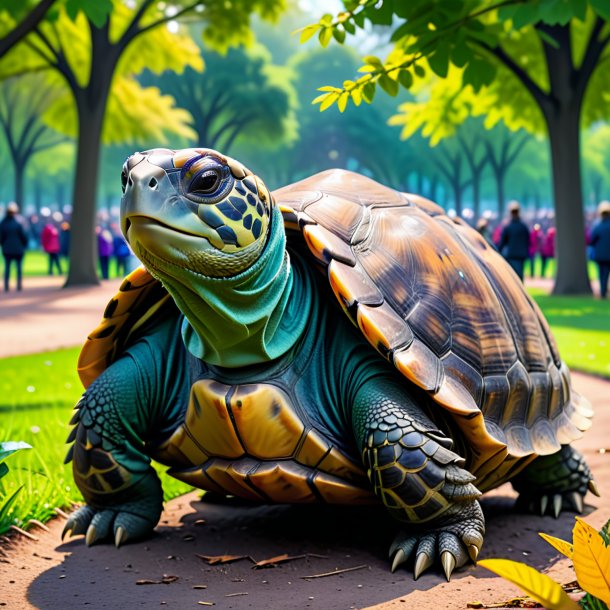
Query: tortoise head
[{"x": 193, "y": 209}]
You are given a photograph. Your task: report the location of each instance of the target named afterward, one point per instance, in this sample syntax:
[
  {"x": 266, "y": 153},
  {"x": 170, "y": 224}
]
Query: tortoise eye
[{"x": 206, "y": 180}]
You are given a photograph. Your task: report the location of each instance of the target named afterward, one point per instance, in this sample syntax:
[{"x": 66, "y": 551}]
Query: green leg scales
[
  {"x": 122, "y": 490},
  {"x": 552, "y": 483},
  {"x": 418, "y": 478},
  {"x": 113, "y": 421}
]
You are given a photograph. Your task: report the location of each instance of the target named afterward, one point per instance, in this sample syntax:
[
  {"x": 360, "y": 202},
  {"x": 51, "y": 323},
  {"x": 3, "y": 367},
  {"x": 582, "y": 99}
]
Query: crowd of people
[
  {"x": 522, "y": 244},
  {"x": 49, "y": 232}
]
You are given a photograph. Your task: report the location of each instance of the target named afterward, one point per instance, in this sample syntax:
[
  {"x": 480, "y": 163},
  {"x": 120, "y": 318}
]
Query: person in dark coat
[
  {"x": 13, "y": 240},
  {"x": 600, "y": 242},
  {"x": 515, "y": 240}
]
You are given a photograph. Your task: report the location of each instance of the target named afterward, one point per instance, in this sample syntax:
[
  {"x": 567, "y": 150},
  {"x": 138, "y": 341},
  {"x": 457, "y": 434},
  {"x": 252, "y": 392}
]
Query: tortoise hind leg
[
  {"x": 419, "y": 479},
  {"x": 122, "y": 491},
  {"x": 552, "y": 483}
]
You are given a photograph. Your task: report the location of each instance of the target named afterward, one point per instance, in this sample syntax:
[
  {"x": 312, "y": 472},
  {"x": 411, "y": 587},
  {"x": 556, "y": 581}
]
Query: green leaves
[
  {"x": 8, "y": 448},
  {"x": 97, "y": 12}
]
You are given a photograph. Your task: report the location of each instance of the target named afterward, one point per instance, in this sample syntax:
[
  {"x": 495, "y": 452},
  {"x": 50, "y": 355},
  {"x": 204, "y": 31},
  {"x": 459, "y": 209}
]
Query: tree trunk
[
  {"x": 60, "y": 194},
  {"x": 457, "y": 196},
  {"x": 19, "y": 190},
  {"x": 37, "y": 196},
  {"x": 83, "y": 246},
  {"x": 476, "y": 195},
  {"x": 564, "y": 137},
  {"x": 499, "y": 175}
]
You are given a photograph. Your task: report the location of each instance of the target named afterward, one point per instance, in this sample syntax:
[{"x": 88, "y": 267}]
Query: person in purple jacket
[
  {"x": 600, "y": 242},
  {"x": 105, "y": 248}
]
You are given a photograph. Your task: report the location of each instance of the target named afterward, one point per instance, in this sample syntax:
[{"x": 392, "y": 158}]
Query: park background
[{"x": 471, "y": 104}]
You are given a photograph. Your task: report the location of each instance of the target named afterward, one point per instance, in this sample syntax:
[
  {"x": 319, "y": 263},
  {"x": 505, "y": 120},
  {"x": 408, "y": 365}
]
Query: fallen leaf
[
  {"x": 343, "y": 571},
  {"x": 216, "y": 559},
  {"x": 565, "y": 548},
  {"x": 166, "y": 580},
  {"x": 537, "y": 585},
  {"x": 234, "y": 594},
  {"x": 273, "y": 561},
  {"x": 591, "y": 561},
  {"x": 205, "y": 603}
]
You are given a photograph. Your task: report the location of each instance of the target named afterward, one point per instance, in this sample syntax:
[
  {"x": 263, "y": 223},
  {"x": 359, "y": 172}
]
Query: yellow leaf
[
  {"x": 565, "y": 548},
  {"x": 331, "y": 98},
  {"x": 538, "y": 586},
  {"x": 591, "y": 561},
  {"x": 342, "y": 101}
]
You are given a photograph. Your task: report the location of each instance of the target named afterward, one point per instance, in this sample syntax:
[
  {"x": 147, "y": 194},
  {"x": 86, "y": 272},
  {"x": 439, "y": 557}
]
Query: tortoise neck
[{"x": 251, "y": 318}]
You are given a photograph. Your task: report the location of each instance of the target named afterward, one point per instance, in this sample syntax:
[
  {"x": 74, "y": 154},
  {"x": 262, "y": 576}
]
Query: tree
[
  {"x": 537, "y": 60},
  {"x": 258, "y": 105},
  {"x": 22, "y": 105},
  {"x": 87, "y": 52}
]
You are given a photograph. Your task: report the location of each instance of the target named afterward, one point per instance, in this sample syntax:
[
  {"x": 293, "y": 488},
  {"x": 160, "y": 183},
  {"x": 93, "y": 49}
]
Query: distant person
[
  {"x": 64, "y": 240},
  {"x": 49, "y": 239},
  {"x": 547, "y": 249},
  {"x": 600, "y": 242},
  {"x": 534, "y": 248},
  {"x": 515, "y": 240},
  {"x": 104, "y": 250},
  {"x": 121, "y": 253},
  {"x": 14, "y": 241},
  {"x": 484, "y": 230}
]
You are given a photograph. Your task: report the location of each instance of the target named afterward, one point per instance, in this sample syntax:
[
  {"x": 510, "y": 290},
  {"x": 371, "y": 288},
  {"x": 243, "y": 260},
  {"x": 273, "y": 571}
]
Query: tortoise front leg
[
  {"x": 122, "y": 491},
  {"x": 418, "y": 478}
]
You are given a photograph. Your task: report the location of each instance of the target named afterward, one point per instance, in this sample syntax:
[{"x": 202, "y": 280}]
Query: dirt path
[
  {"x": 43, "y": 316},
  {"x": 49, "y": 574}
]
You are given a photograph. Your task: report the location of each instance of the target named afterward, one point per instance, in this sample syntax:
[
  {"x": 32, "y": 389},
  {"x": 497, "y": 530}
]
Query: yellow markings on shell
[
  {"x": 207, "y": 420},
  {"x": 179, "y": 450},
  {"x": 313, "y": 449},
  {"x": 336, "y": 491},
  {"x": 284, "y": 482},
  {"x": 267, "y": 424}
]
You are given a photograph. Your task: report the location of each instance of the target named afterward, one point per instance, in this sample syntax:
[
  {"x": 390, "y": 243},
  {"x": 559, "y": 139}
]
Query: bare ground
[{"x": 49, "y": 574}]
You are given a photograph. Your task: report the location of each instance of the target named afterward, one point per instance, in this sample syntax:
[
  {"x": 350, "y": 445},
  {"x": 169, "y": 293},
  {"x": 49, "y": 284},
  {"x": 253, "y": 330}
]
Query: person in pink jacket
[
  {"x": 547, "y": 248},
  {"x": 50, "y": 244}
]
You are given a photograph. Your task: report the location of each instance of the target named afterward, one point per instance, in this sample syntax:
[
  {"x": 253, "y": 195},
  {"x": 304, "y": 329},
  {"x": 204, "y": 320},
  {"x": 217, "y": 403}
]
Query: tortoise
[{"x": 335, "y": 341}]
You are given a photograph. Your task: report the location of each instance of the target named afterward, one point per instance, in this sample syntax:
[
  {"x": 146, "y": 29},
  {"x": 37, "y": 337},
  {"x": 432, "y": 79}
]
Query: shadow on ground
[{"x": 337, "y": 538}]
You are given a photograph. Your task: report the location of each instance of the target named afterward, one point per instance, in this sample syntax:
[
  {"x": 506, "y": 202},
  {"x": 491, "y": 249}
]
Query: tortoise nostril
[{"x": 153, "y": 183}]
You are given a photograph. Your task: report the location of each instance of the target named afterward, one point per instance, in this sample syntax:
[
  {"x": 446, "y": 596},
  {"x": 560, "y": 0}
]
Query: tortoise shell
[{"x": 432, "y": 297}]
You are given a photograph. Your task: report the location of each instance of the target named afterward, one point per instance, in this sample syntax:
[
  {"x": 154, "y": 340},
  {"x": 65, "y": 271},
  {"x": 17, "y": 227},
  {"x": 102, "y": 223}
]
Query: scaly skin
[
  {"x": 553, "y": 483},
  {"x": 113, "y": 420},
  {"x": 418, "y": 478}
]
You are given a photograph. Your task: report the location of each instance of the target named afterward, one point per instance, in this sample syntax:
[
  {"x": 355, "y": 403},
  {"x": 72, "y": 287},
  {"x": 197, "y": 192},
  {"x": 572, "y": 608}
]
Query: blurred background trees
[{"x": 483, "y": 107}]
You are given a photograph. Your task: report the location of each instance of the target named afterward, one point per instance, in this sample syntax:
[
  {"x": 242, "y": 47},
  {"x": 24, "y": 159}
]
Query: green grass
[
  {"x": 36, "y": 263},
  {"x": 581, "y": 326},
  {"x": 37, "y": 394}
]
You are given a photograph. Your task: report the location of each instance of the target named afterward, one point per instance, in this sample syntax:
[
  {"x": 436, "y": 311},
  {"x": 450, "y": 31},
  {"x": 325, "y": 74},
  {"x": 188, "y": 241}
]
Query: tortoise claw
[
  {"x": 449, "y": 562},
  {"x": 120, "y": 535},
  {"x": 399, "y": 559},
  {"x": 422, "y": 563},
  {"x": 91, "y": 535},
  {"x": 473, "y": 552},
  {"x": 557, "y": 502},
  {"x": 593, "y": 488},
  {"x": 544, "y": 502},
  {"x": 68, "y": 529}
]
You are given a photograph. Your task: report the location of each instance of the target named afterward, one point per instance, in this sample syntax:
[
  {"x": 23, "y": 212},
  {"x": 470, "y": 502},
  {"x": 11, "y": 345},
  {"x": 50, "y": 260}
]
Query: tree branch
[
  {"x": 25, "y": 27},
  {"x": 517, "y": 149},
  {"x": 595, "y": 47},
  {"x": 535, "y": 91}
]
